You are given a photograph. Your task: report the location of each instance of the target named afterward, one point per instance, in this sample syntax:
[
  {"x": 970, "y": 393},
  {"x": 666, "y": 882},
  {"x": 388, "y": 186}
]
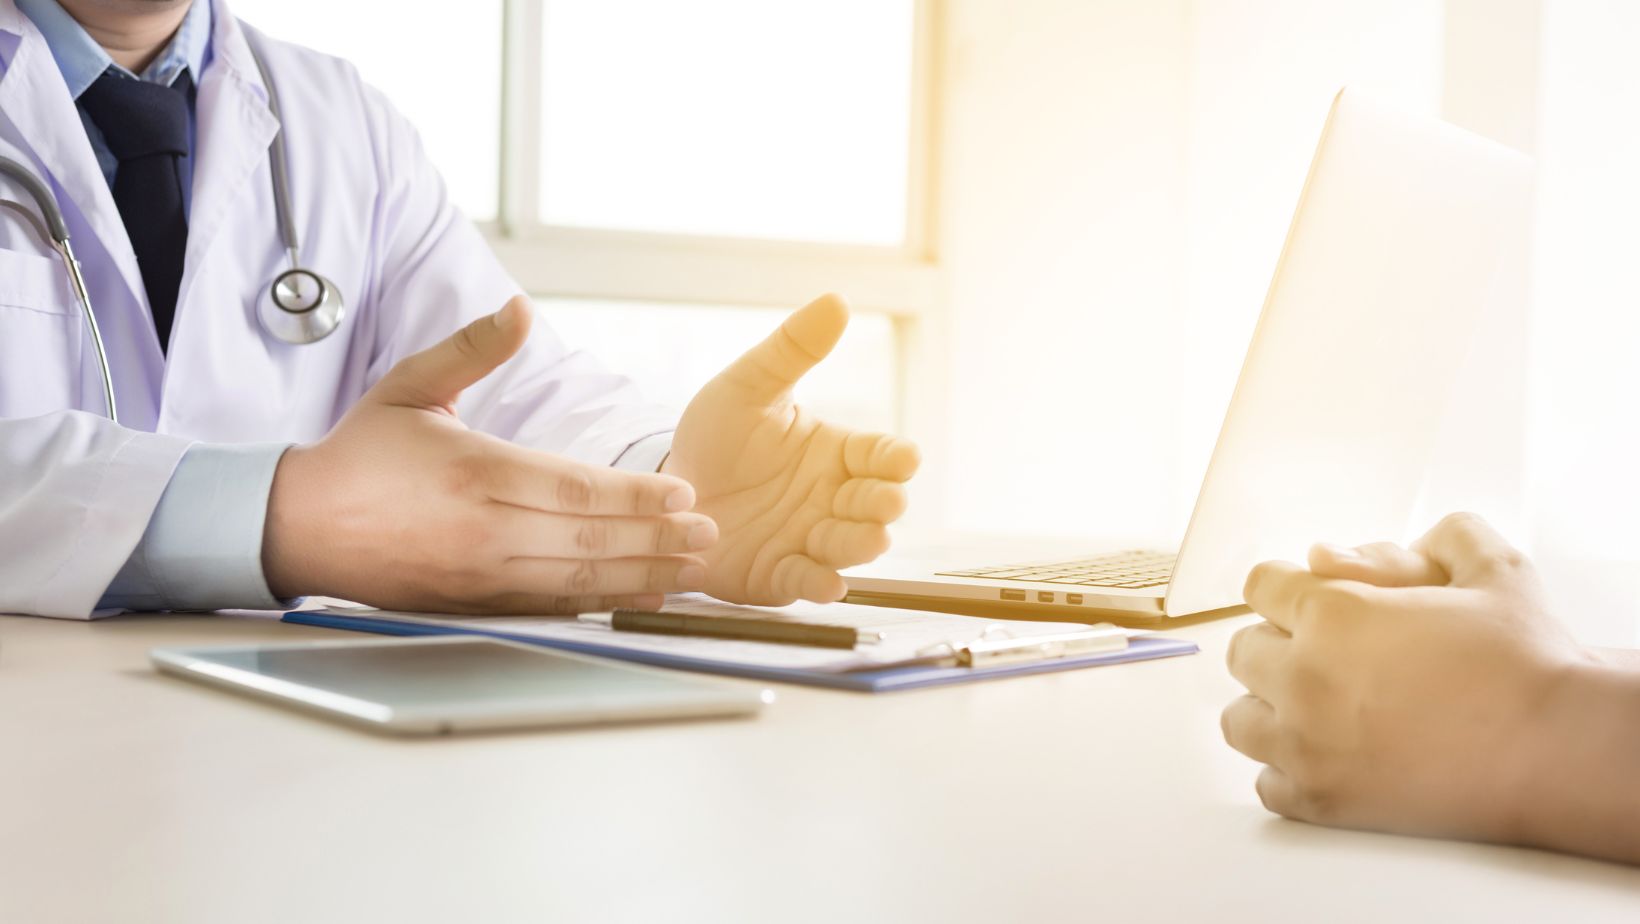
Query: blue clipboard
[{"x": 1143, "y": 648}]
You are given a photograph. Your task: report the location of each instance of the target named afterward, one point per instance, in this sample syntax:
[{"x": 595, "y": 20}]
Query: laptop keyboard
[{"x": 1121, "y": 569}]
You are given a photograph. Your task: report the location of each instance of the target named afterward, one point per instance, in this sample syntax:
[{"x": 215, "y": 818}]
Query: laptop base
[{"x": 986, "y": 609}]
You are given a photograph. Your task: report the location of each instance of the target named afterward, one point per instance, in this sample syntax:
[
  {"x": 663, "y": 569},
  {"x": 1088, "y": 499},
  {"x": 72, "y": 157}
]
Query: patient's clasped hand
[{"x": 1429, "y": 691}]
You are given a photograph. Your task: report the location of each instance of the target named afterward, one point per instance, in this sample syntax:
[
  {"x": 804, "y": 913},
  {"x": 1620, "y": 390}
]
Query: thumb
[
  {"x": 807, "y": 335},
  {"x": 437, "y": 376},
  {"x": 1382, "y": 563}
]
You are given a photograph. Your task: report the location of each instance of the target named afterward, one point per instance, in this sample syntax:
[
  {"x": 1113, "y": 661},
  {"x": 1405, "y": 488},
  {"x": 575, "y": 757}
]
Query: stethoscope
[{"x": 299, "y": 307}]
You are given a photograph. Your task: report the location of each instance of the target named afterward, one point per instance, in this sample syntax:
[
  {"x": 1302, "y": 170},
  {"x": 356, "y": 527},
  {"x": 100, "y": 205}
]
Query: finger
[
  {"x": 844, "y": 543},
  {"x": 437, "y": 376},
  {"x": 541, "y": 481},
  {"x": 522, "y": 533},
  {"x": 1249, "y": 725},
  {"x": 1260, "y": 658},
  {"x": 879, "y": 455},
  {"x": 1469, "y": 549},
  {"x": 1382, "y": 563},
  {"x": 616, "y": 577},
  {"x": 807, "y": 336},
  {"x": 1280, "y": 794},
  {"x": 798, "y": 577},
  {"x": 1275, "y": 589},
  {"x": 869, "y": 500}
]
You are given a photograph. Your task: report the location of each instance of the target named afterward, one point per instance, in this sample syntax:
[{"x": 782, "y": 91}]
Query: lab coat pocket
[
  {"x": 40, "y": 349},
  {"x": 34, "y": 282}
]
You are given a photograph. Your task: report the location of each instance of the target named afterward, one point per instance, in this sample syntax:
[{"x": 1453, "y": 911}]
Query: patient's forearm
[{"x": 1585, "y": 795}]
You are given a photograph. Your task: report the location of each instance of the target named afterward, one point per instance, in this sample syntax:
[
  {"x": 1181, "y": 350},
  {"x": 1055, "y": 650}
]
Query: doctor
[{"x": 431, "y": 452}]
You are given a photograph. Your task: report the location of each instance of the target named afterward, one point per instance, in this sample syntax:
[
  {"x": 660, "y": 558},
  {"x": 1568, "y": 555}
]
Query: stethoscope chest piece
[{"x": 301, "y": 307}]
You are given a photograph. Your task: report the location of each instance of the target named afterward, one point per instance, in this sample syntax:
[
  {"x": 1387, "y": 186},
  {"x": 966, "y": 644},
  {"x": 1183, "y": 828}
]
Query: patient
[{"x": 1429, "y": 691}]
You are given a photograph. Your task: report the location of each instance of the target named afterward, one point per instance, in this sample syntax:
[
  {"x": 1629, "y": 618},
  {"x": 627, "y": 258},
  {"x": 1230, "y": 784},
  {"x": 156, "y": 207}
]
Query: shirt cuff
[
  {"x": 202, "y": 549},
  {"x": 646, "y": 454}
]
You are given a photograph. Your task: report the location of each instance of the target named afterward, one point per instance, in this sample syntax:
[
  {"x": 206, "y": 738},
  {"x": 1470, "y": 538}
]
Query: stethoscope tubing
[
  {"x": 306, "y": 324},
  {"x": 77, "y": 278},
  {"x": 51, "y": 226}
]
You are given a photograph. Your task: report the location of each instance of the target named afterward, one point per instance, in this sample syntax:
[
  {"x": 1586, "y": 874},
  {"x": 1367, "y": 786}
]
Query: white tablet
[{"x": 453, "y": 683}]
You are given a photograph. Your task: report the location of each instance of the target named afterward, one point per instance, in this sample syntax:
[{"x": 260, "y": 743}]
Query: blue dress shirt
[{"x": 82, "y": 61}]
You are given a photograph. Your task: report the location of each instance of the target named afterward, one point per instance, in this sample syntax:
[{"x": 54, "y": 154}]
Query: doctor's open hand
[
  {"x": 473, "y": 523},
  {"x": 1429, "y": 691},
  {"x": 795, "y": 499}
]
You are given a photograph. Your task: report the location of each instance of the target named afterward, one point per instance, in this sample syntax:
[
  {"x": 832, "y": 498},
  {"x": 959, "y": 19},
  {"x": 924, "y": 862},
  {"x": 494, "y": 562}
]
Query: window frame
[{"x": 664, "y": 268}]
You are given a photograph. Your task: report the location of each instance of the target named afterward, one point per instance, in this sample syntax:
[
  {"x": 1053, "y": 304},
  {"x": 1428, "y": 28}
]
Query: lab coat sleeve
[
  {"x": 202, "y": 549},
  {"x": 435, "y": 273},
  {"x": 76, "y": 493}
]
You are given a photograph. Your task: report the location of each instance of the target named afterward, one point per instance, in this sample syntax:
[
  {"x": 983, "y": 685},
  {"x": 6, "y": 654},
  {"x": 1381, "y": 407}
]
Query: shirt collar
[{"x": 82, "y": 60}]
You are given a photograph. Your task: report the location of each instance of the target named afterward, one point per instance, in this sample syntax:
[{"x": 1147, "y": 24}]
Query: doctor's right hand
[{"x": 401, "y": 506}]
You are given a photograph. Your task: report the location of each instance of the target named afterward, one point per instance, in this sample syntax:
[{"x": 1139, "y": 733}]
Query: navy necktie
[{"x": 145, "y": 126}]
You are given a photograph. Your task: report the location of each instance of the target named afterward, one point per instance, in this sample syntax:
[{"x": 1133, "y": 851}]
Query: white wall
[
  {"x": 1586, "y": 326},
  {"x": 1262, "y": 75},
  {"x": 1489, "y": 85},
  {"x": 1116, "y": 181},
  {"x": 1062, "y": 140}
]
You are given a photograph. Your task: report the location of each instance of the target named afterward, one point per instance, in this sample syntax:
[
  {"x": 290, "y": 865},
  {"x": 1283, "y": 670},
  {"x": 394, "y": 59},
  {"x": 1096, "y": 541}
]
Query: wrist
[
  {"x": 288, "y": 561},
  {"x": 1577, "y": 793}
]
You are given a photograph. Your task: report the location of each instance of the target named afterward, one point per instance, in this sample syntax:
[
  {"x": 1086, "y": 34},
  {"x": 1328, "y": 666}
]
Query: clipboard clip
[{"x": 992, "y": 650}]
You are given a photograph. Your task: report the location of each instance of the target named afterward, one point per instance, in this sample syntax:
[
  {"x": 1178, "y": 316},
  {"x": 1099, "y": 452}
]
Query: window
[
  {"x": 442, "y": 71},
  {"x": 736, "y": 118},
  {"x": 855, "y": 386},
  {"x": 643, "y": 164},
  {"x": 721, "y": 152}
]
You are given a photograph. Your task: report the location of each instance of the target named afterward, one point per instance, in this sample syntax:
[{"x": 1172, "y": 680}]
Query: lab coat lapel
[
  {"x": 234, "y": 128},
  {"x": 35, "y": 100}
]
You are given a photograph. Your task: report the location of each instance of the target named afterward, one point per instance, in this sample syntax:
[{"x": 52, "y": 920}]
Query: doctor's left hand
[
  {"x": 795, "y": 498},
  {"x": 401, "y": 506}
]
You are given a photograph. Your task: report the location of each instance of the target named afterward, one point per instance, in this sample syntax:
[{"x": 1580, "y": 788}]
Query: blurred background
[{"x": 1056, "y": 220}]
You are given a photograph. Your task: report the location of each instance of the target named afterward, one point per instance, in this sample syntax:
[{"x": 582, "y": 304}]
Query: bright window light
[
  {"x": 440, "y": 65},
  {"x": 735, "y": 118}
]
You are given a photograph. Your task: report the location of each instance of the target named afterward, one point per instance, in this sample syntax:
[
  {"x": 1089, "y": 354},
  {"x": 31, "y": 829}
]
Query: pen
[{"x": 741, "y": 628}]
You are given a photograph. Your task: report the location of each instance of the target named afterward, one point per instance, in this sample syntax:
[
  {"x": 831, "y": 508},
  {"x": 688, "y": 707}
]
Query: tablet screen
[
  {"x": 468, "y": 672},
  {"x": 448, "y": 683}
]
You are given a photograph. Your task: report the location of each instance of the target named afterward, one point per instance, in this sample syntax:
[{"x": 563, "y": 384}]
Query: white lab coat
[{"x": 76, "y": 491}]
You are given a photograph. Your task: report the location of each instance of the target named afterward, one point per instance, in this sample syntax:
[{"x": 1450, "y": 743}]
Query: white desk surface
[{"x": 1103, "y": 794}]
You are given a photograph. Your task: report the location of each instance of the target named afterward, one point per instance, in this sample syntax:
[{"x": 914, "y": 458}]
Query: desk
[{"x": 1101, "y": 794}]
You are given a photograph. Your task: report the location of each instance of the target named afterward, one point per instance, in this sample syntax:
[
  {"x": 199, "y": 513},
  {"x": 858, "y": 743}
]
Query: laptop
[{"x": 1387, "y": 271}]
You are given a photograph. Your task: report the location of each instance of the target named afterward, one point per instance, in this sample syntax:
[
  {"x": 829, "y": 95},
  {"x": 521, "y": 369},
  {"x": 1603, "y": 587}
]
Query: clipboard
[{"x": 904, "y": 676}]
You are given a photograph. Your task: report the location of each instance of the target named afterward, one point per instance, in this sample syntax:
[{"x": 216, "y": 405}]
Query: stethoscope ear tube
[
  {"x": 50, "y": 225},
  {"x": 55, "y": 229},
  {"x": 77, "y": 279},
  {"x": 32, "y": 219}
]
